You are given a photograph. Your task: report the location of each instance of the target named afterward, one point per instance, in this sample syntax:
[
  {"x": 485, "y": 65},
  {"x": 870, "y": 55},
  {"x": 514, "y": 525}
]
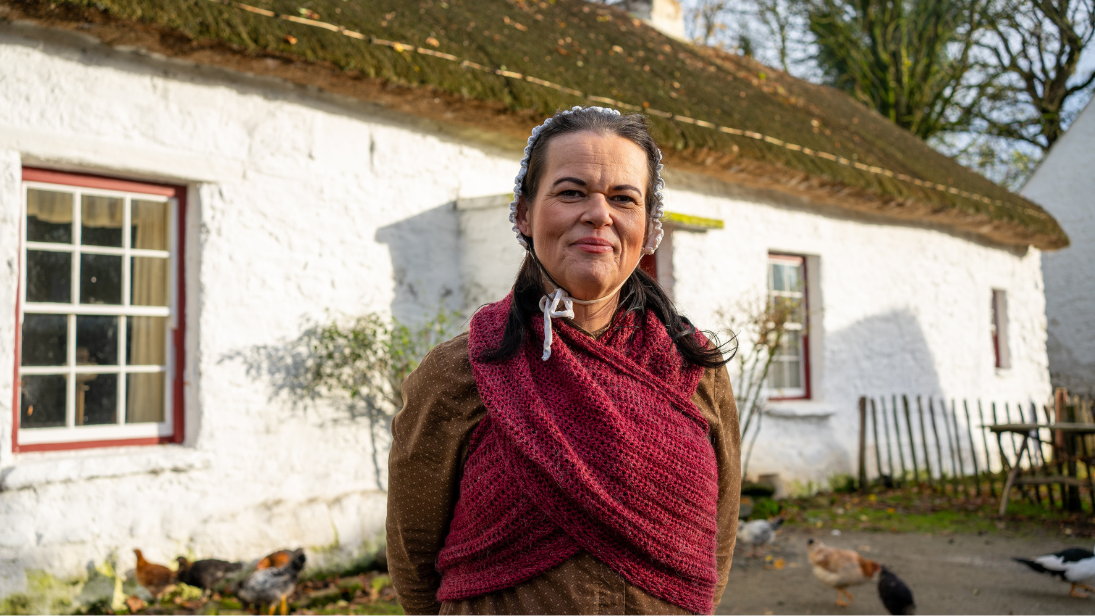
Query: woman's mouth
[{"x": 594, "y": 244}]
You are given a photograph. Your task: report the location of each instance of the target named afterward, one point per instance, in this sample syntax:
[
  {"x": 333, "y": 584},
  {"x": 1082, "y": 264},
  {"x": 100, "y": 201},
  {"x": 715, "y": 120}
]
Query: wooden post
[
  {"x": 924, "y": 442},
  {"x": 1086, "y": 417},
  {"x": 1036, "y": 445},
  {"x": 958, "y": 445},
  {"x": 889, "y": 450},
  {"x": 912, "y": 441},
  {"x": 1005, "y": 465},
  {"x": 897, "y": 434},
  {"x": 973, "y": 449},
  {"x": 1015, "y": 448},
  {"x": 1011, "y": 478},
  {"x": 950, "y": 444},
  {"x": 938, "y": 447},
  {"x": 988, "y": 456},
  {"x": 877, "y": 444},
  {"x": 1060, "y": 399},
  {"x": 1056, "y": 459},
  {"x": 862, "y": 443}
]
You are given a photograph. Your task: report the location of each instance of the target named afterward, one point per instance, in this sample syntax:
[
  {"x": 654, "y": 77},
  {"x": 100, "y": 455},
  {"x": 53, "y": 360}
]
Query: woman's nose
[{"x": 598, "y": 212}]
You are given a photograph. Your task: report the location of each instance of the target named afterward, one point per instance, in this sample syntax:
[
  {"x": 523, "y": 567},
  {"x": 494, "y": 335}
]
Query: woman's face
[{"x": 588, "y": 219}]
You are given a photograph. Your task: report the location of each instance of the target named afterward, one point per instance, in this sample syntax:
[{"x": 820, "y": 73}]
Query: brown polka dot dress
[{"x": 430, "y": 440}]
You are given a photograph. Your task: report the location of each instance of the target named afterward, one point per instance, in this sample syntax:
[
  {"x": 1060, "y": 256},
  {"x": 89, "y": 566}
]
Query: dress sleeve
[
  {"x": 726, "y": 438},
  {"x": 441, "y": 408}
]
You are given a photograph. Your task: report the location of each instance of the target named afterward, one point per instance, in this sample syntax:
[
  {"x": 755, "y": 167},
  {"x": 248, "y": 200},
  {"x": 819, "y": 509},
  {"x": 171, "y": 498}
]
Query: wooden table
[{"x": 1029, "y": 432}]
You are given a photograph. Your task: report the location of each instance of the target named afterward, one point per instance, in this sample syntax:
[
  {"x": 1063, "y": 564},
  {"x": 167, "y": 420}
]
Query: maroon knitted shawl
[{"x": 600, "y": 448}]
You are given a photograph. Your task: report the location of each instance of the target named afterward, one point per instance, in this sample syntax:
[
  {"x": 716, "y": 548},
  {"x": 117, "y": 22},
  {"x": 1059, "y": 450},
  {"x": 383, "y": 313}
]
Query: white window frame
[
  {"x": 792, "y": 393},
  {"x": 119, "y": 430}
]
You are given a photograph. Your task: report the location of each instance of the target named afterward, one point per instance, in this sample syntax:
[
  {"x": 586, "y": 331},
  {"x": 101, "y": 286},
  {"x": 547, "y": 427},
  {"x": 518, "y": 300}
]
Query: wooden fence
[{"x": 946, "y": 445}]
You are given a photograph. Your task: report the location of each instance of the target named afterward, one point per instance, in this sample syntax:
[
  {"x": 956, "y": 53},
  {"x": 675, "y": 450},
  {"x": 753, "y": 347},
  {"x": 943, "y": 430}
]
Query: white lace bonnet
[{"x": 655, "y": 231}]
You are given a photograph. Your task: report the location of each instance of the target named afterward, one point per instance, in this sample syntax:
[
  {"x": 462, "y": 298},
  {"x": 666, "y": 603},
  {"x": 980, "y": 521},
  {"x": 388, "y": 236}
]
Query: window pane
[
  {"x": 146, "y": 341},
  {"x": 101, "y": 221},
  {"x": 149, "y": 225},
  {"x": 100, "y": 279},
  {"x": 45, "y": 340},
  {"x": 791, "y": 277},
  {"x": 49, "y": 276},
  {"x": 777, "y": 277},
  {"x": 42, "y": 401},
  {"x": 96, "y": 340},
  {"x": 49, "y": 216},
  {"x": 794, "y": 374},
  {"x": 150, "y": 279},
  {"x": 96, "y": 399},
  {"x": 790, "y": 346},
  {"x": 144, "y": 397},
  {"x": 777, "y": 376}
]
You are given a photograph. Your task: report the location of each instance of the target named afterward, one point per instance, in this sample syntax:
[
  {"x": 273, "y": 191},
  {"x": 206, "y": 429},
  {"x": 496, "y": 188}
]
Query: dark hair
[{"x": 640, "y": 292}]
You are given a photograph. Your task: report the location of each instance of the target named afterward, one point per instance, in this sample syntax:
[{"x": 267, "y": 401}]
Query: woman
[{"x": 577, "y": 451}]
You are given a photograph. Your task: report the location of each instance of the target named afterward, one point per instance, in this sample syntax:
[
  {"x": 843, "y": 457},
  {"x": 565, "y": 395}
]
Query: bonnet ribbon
[{"x": 549, "y": 304}]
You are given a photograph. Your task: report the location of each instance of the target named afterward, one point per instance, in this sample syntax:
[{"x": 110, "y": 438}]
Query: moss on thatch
[{"x": 601, "y": 51}]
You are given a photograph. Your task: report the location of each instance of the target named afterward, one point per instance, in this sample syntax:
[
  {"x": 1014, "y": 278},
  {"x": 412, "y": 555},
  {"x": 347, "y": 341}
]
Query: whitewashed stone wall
[
  {"x": 1065, "y": 186},
  {"x": 300, "y": 206}
]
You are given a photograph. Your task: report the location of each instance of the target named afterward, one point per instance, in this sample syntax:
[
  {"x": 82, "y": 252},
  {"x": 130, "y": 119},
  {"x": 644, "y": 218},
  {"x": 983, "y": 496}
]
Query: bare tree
[
  {"x": 706, "y": 19},
  {"x": 1035, "y": 46}
]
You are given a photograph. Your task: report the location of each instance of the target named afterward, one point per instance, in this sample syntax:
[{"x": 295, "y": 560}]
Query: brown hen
[
  {"x": 155, "y": 578},
  {"x": 840, "y": 568}
]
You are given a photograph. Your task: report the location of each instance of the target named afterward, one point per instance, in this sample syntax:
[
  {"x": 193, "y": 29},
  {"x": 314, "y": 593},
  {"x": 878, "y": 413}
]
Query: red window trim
[
  {"x": 87, "y": 180},
  {"x": 808, "y": 395}
]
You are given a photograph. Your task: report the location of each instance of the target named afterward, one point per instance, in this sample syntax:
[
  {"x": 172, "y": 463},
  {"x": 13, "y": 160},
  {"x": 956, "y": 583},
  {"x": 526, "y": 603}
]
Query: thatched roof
[{"x": 496, "y": 67}]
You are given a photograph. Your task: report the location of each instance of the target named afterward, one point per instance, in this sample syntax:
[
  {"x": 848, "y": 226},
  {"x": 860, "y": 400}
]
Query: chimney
[{"x": 664, "y": 16}]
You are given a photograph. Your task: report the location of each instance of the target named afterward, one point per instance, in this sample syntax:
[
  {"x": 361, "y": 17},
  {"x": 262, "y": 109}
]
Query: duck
[{"x": 1073, "y": 565}]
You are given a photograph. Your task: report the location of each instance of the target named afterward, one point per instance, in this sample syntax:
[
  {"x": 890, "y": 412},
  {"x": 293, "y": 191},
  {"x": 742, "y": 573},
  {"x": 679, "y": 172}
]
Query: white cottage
[
  {"x": 1064, "y": 184},
  {"x": 183, "y": 183}
]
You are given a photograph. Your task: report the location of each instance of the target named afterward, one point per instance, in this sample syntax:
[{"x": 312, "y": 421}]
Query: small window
[
  {"x": 98, "y": 319},
  {"x": 999, "y": 329},
  {"x": 789, "y": 374}
]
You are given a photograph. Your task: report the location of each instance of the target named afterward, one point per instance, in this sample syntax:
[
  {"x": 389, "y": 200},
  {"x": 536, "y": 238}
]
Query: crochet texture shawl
[{"x": 600, "y": 448}]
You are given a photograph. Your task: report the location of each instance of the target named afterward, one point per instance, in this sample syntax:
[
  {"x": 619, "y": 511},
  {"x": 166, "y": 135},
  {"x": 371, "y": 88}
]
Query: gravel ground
[{"x": 957, "y": 574}]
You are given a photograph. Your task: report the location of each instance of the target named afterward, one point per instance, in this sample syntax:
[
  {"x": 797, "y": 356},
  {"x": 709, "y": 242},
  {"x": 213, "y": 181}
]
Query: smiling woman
[{"x": 590, "y": 466}]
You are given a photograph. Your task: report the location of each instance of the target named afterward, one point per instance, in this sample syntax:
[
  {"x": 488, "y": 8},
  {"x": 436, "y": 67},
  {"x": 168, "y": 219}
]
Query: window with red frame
[
  {"x": 99, "y": 350},
  {"x": 789, "y": 374}
]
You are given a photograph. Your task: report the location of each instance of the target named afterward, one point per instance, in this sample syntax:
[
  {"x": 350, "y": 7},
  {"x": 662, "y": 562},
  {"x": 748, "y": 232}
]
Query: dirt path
[{"x": 961, "y": 574}]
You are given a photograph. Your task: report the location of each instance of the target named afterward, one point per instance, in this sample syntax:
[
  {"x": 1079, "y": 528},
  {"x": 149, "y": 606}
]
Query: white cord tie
[{"x": 549, "y": 304}]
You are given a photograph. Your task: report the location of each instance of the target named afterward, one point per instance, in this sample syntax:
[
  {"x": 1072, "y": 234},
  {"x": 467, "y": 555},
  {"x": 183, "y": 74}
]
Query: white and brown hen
[{"x": 840, "y": 568}]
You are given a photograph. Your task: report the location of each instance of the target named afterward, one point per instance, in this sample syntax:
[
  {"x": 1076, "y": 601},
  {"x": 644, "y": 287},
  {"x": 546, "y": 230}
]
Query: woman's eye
[
  {"x": 624, "y": 199},
  {"x": 570, "y": 193}
]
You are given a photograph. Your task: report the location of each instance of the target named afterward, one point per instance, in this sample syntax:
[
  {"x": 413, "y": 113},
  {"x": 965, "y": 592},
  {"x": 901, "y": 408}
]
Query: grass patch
[{"x": 920, "y": 510}]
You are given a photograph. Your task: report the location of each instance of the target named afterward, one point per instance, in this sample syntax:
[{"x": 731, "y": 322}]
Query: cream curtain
[
  {"x": 148, "y": 341},
  {"x": 102, "y": 212},
  {"x": 47, "y": 206}
]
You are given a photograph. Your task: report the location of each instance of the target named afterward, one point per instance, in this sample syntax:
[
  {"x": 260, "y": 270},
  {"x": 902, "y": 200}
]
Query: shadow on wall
[
  {"x": 426, "y": 263},
  {"x": 287, "y": 367},
  {"x": 883, "y": 354}
]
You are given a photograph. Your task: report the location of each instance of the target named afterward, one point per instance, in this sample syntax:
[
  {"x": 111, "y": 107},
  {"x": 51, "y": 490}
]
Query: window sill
[
  {"x": 800, "y": 409},
  {"x": 38, "y": 469}
]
